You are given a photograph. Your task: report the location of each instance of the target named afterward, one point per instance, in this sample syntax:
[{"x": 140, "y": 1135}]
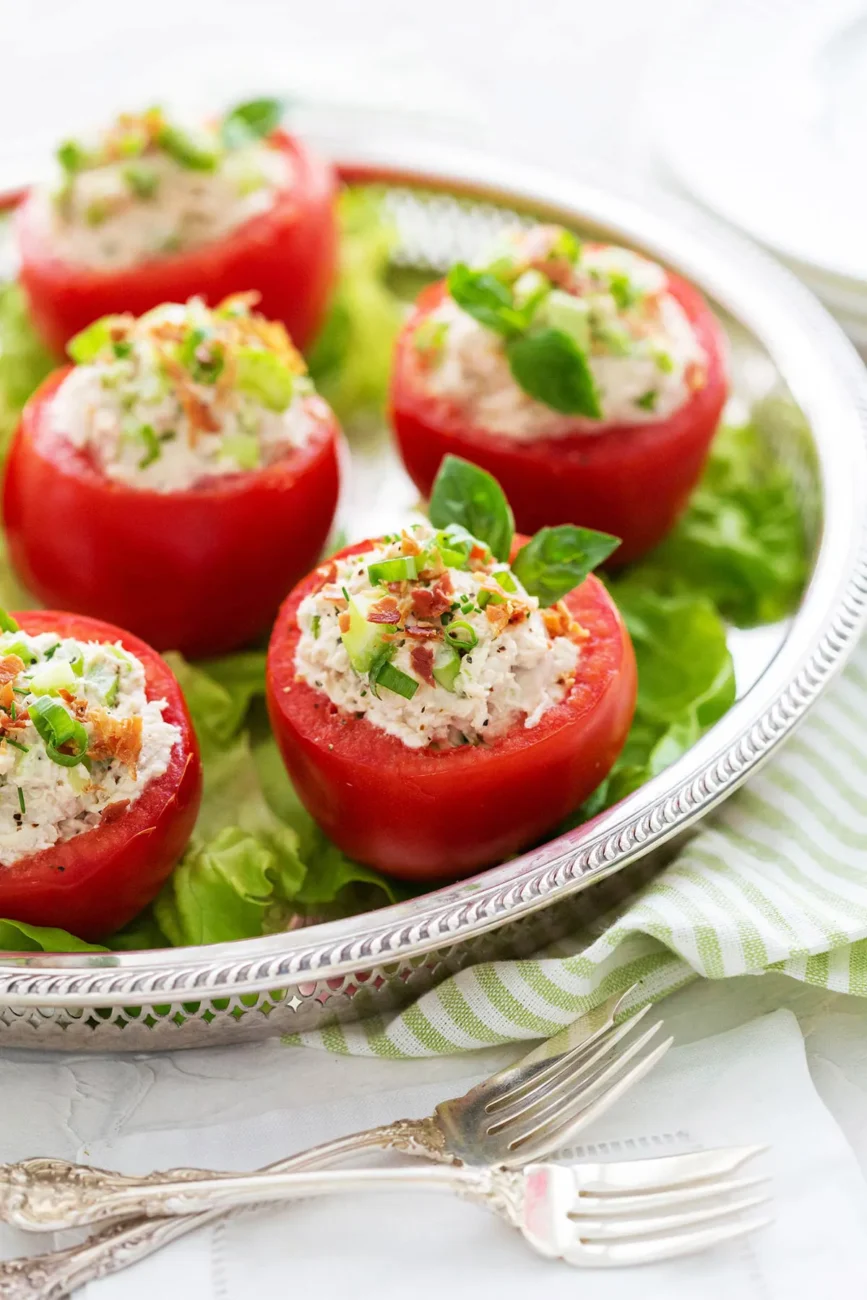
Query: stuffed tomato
[
  {"x": 439, "y": 708},
  {"x": 152, "y": 212},
  {"x": 588, "y": 380},
  {"x": 100, "y": 778},
  {"x": 178, "y": 480}
]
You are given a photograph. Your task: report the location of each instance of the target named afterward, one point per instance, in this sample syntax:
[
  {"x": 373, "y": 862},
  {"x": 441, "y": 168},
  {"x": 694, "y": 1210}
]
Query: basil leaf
[
  {"x": 550, "y": 366},
  {"x": 464, "y": 494},
  {"x": 251, "y": 121},
  {"x": 558, "y": 559},
  {"x": 484, "y": 297}
]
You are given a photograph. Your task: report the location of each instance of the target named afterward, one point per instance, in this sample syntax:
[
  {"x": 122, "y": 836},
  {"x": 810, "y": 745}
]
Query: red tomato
[
  {"x": 93, "y": 884},
  {"x": 288, "y": 253},
  {"x": 425, "y": 814},
  {"x": 201, "y": 571},
  {"x": 632, "y": 480}
]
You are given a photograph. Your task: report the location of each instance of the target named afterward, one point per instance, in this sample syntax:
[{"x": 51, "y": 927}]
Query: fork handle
[{"x": 56, "y": 1274}]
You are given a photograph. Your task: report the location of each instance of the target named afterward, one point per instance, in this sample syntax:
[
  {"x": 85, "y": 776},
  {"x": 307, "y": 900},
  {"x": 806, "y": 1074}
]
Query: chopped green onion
[
  {"x": 402, "y": 569},
  {"x": 21, "y": 804},
  {"x": 197, "y": 153},
  {"x": 189, "y": 353},
  {"x": 446, "y": 666},
  {"x": 153, "y": 448},
  {"x": 143, "y": 181},
  {"x": 16, "y": 744},
  {"x": 57, "y": 728},
  {"x": 622, "y": 290},
  {"x": 122, "y": 349},
  {"x": 315, "y": 624},
  {"x": 87, "y": 345},
  {"x": 664, "y": 362},
  {"x": 72, "y": 157},
  {"x": 96, "y": 212},
  {"x": 393, "y": 680},
  {"x": 490, "y": 598},
  {"x": 505, "y": 579},
  {"x": 647, "y": 401},
  {"x": 461, "y": 635},
  {"x": 52, "y": 650},
  {"x": 263, "y": 375},
  {"x": 243, "y": 448},
  {"x": 430, "y": 336},
  {"x": 7, "y": 623},
  {"x": 251, "y": 121}
]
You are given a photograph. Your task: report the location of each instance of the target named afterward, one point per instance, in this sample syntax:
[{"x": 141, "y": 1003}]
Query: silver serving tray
[{"x": 446, "y": 203}]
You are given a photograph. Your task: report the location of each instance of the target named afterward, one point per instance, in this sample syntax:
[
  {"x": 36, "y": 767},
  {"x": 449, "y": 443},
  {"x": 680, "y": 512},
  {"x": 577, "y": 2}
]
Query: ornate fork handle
[{"x": 57, "y": 1273}]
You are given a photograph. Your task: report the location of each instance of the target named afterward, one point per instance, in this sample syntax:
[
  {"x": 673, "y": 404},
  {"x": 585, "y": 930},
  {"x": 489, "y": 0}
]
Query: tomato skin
[
  {"x": 424, "y": 815},
  {"x": 288, "y": 253},
  {"x": 201, "y": 571},
  {"x": 93, "y": 884},
  {"x": 632, "y": 480}
]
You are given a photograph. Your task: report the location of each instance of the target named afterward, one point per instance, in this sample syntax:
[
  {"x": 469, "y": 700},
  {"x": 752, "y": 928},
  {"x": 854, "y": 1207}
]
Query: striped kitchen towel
[{"x": 777, "y": 881}]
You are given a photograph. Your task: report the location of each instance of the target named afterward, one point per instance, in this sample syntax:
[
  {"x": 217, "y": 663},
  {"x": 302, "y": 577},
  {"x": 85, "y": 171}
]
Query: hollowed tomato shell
[
  {"x": 201, "y": 571},
  {"x": 630, "y": 480},
  {"x": 425, "y": 814},
  {"x": 288, "y": 253},
  {"x": 94, "y": 883}
]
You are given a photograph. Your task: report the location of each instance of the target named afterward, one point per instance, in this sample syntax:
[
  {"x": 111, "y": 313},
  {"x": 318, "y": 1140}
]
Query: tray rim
[{"x": 828, "y": 381}]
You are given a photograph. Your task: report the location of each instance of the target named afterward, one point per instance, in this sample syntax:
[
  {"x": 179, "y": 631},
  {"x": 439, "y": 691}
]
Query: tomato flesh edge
[
  {"x": 94, "y": 883},
  {"x": 288, "y": 253},
  {"x": 632, "y": 480},
  {"x": 428, "y": 815},
  {"x": 201, "y": 571}
]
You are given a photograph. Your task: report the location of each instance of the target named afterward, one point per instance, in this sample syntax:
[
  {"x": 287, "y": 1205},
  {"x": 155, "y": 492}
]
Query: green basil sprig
[
  {"x": 551, "y": 367},
  {"x": 547, "y": 363},
  {"x": 557, "y": 559},
  {"x": 464, "y": 494},
  {"x": 551, "y": 564},
  {"x": 251, "y": 121}
]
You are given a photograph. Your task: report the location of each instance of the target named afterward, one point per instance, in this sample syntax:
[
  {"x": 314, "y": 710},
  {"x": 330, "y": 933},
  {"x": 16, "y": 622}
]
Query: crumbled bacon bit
[
  {"x": 386, "y": 610},
  {"x": 408, "y": 544},
  {"x": 422, "y": 660},
  {"x": 333, "y": 594},
  {"x": 200, "y": 417},
  {"x": 559, "y": 622},
  {"x": 239, "y": 301},
  {"x": 343, "y": 621},
  {"x": 695, "y": 376},
  {"x": 422, "y": 631},
  {"x": 112, "y": 738},
  {"x": 536, "y": 253},
  {"x": 430, "y": 602},
  {"x": 478, "y": 557},
  {"x": 498, "y": 616},
  {"x": 10, "y": 667},
  {"x": 518, "y": 611}
]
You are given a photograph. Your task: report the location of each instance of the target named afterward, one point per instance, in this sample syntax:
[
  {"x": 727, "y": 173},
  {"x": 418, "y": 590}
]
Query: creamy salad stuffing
[
  {"x": 77, "y": 736},
  {"x": 150, "y": 188},
  {"x": 546, "y": 334},
  {"x": 185, "y": 394},
  {"x": 433, "y": 641}
]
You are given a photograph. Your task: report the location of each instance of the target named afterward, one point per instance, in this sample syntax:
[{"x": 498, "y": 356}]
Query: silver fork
[
  {"x": 524, "y": 1112},
  {"x": 587, "y": 1215}
]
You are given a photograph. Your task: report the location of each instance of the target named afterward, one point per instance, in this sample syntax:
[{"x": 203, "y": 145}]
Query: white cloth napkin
[{"x": 749, "y": 1085}]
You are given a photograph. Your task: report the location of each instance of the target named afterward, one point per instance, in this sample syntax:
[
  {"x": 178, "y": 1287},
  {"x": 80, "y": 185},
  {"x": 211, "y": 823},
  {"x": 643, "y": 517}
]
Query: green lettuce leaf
[
  {"x": 18, "y": 936},
  {"x": 350, "y": 361},
  {"x": 686, "y": 682},
  {"x": 742, "y": 542},
  {"x": 24, "y": 361}
]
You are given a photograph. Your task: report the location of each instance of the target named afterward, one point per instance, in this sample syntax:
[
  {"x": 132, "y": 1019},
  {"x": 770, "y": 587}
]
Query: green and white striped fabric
[{"x": 778, "y": 881}]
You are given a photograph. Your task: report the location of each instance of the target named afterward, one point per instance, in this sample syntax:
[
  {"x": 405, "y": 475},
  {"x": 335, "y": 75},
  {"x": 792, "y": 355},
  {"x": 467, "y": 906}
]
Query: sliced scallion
[
  {"x": 198, "y": 153},
  {"x": 16, "y": 744},
  {"x": 315, "y": 624},
  {"x": 394, "y": 680},
  {"x": 400, "y": 569},
  {"x": 58, "y": 729},
  {"x": 461, "y": 635},
  {"x": 21, "y": 804}
]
